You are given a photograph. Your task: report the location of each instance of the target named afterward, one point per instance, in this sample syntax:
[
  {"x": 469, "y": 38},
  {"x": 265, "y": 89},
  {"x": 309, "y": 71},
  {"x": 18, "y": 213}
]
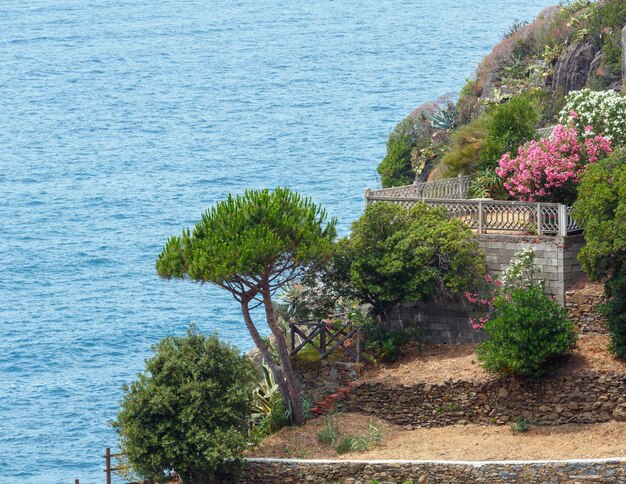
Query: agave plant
[
  {"x": 487, "y": 184},
  {"x": 445, "y": 118},
  {"x": 264, "y": 396}
]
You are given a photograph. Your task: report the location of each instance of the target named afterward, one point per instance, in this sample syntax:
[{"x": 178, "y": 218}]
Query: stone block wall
[
  {"x": 290, "y": 471},
  {"x": 439, "y": 322},
  {"x": 446, "y": 321},
  {"x": 588, "y": 397},
  {"x": 555, "y": 256}
]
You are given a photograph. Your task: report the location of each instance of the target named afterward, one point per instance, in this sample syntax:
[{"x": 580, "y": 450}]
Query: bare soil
[
  {"x": 458, "y": 442},
  {"x": 438, "y": 363}
]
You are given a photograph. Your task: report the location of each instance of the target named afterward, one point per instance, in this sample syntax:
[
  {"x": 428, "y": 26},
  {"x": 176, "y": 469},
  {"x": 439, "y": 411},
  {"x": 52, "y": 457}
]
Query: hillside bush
[
  {"x": 509, "y": 126},
  {"x": 466, "y": 146},
  {"x": 604, "y": 24},
  {"x": 528, "y": 333},
  {"x": 604, "y": 111},
  {"x": 601, "y": 211},
  {"x": 187, "y": 413},
  {"x": 415, "y": 142}
]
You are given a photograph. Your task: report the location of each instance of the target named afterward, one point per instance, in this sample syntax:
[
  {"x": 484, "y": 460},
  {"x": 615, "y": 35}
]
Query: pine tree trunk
[
  {"x": 265, "y": 352},
  {"x": 283, "y": 353}
]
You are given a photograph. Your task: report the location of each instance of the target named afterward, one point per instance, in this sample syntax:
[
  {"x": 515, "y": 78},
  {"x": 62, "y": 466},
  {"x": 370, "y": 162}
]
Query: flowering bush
[
  {"x": 604, "y": 111},
  {"x": 521, "y": 273},
  {"x": 548, "y": 170},
  {"x": 526, "y": 328}
]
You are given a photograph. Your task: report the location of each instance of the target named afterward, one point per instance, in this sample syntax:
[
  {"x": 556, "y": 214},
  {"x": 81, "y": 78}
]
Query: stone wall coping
[{"x": 473, "y": 463}]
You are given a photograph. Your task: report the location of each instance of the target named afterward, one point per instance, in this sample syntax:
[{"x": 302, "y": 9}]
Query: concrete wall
[{"x": 433, "y": 472}]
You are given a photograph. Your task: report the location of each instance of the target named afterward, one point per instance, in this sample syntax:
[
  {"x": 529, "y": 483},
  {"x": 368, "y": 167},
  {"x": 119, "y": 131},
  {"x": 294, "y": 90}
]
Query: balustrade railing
[
  {"x": 448, "y": 189},
  {"x": 492, "y": 216}
]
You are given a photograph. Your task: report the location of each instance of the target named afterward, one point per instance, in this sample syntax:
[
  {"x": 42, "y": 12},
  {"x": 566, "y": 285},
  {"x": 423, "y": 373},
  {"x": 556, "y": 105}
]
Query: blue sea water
[{"x": 121, "y": 121}]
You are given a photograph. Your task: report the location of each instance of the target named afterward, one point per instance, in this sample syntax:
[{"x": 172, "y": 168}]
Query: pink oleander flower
[
  {"x": 547, "y": 169},
  {"x": 573, "y": 114}
]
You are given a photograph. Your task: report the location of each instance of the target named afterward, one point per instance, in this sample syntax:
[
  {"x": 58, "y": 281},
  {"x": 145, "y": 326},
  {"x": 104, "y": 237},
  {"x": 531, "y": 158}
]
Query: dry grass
[
  {"x": 438, "y": 363},
  {"x": 457, "y": 442}
]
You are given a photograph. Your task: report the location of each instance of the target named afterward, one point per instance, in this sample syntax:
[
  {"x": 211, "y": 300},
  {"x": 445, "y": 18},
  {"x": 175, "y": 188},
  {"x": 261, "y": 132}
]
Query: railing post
[
  {"x": 539, "y": 220},
  {"x": 323, "y": 338},
  {"x": 460, "y": 186},
  {"x": 293, "y": 336},
  {"x": 367, "y": 196},
  {"x": 563, "y": 219},
  {"x": 107, "y": 456},
  {"x": 480, "y": 216}
]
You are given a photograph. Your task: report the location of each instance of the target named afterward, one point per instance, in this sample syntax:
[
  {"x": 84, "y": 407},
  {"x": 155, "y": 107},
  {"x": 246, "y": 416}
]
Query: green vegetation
[
  {"x": 386, "y": 345},
  {"x": 465, "y": 151},
  {"x": 394, "y": 255},
  {"x": 331, "y": 435},
  {"x": 509, "y": 126},
  {"x": 187, "y": 413},
  {"x": 253, "y": 245},
  {"x": 416, "y": 142},
  {"x": 520, "y": 425},
  {"x": 601, "y": 211},
  {"x": 528, "y": 333}
]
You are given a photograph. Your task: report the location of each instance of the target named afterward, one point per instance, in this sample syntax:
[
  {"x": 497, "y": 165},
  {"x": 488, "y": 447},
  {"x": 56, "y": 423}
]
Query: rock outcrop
[{"x": 574, "y": 67}]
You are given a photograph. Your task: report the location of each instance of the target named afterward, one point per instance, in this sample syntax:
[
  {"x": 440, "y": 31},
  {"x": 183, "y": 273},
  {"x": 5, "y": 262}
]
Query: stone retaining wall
[
  {"x": 318, "y": 379},
  {"x": 586, "y": 398},
  {"x": 434, "y": 472},
  {"x": 581, "y": 308}
]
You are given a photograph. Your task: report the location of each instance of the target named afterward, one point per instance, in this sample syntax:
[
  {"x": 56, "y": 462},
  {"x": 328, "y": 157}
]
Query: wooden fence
[{"x": 325, "y": 337}]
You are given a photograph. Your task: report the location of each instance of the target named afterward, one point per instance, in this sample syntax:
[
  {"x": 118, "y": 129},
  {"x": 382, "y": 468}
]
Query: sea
[{"x": 122, "y": 121}]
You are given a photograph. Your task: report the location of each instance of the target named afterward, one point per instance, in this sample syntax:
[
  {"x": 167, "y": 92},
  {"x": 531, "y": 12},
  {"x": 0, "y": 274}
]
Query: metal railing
[{"x": 495, "y": 216}]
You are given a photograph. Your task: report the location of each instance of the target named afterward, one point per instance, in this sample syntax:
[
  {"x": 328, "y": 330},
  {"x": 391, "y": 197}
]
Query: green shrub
[
  {"x": 604, "y": 23},
  {"x": 527, "y": 334},
  {"x": 387, "y": 344},
  {"x": 465, "y": 150},
  {"x": 394, "y": 255},
  {"x": 395, "y": 169},
  {"x": 188, "y": 411},
  {"x": 601, "y": 211},
  {"x": 509, "y": 126}
]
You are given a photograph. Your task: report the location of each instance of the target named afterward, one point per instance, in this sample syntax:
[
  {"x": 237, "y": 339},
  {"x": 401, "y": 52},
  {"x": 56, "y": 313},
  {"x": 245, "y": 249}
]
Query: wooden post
[
  {"x": 107, "y": 457},
  {"x": 323, "y": 338},
  {"x": 293, "y": 336},
  {"x": 76, "y": 481}
]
